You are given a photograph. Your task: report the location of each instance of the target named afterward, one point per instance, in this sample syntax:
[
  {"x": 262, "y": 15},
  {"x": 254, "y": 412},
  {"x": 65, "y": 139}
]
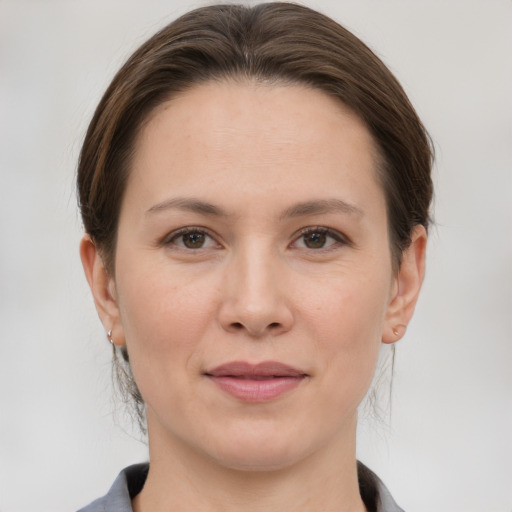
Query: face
[{"x": 253, "y": 282}]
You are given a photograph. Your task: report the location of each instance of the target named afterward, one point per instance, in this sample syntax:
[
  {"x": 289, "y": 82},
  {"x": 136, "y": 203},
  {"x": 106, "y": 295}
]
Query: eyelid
[
  {"x": 333, "y": 233},
  {"x": 173, "y": 235}
]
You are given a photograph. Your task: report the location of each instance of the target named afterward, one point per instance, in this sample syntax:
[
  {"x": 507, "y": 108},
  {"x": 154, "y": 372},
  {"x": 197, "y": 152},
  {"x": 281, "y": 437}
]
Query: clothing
[{"x": 131, "y": 481}]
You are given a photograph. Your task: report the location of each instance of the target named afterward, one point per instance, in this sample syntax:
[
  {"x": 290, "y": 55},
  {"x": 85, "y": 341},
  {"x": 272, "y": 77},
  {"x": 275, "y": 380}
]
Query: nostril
[{"x": 239, "y": 326}]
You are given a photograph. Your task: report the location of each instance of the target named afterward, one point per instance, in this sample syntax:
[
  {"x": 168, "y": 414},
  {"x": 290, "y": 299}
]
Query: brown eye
[
  {"x": 193, "y": 240},
  {"x": 315, "y": 240},
  {"x": 318, "y": 238}
]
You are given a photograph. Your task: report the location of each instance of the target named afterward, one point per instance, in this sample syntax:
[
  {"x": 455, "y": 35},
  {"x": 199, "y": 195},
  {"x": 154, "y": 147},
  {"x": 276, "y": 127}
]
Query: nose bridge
[
  {"x": 253, "y": 299},
  {"x": 255, "y": 267}
]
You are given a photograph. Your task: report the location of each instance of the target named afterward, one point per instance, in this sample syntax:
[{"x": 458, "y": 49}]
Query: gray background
[{"x": 447, "y": 444}]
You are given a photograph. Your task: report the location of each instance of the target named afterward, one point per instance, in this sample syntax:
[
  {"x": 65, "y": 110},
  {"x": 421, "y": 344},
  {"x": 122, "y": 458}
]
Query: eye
[
  {"x": 318, "y": 238},
  {"x": 191, "y": 238}
]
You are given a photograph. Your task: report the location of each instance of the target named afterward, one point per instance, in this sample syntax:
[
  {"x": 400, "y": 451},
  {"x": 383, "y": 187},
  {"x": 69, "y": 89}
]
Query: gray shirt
[{"x": 131, "y": 481}]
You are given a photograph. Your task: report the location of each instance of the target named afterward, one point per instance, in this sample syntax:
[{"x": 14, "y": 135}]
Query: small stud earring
[
  {"x": 399, "y": 330},
  {"x": 109, "y": 337}
]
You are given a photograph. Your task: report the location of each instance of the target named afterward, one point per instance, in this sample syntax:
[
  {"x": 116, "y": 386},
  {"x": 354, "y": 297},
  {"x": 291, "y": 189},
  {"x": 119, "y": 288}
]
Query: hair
[{"x": 273, "y": 43}]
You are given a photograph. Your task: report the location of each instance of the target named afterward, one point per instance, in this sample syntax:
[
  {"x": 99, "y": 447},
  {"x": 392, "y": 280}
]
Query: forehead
[{"x": 254, "y": 136}]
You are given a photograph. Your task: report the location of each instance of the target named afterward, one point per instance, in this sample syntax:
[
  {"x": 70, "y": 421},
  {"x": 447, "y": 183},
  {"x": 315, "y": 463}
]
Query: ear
[
  {"x": 406, "y": 287},
  {"x": 103, "y": 289}
]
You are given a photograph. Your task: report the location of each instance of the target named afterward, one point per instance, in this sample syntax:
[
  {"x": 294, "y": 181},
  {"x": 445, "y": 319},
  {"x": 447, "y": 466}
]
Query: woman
[{"x": 255, "y": 189}]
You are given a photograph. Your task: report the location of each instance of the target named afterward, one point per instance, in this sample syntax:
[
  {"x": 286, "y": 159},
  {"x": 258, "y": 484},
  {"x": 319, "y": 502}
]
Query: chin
[
  {"x": 257, "y": 460},
  {"x": 269, "y": 452}
]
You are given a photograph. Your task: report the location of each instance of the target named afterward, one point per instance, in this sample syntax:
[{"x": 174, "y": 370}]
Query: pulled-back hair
[{"x": 281, "y": 43}]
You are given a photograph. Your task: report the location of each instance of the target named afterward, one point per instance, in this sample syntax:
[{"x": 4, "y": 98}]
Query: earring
[
  {"x": 109, "y": 337},
  {"x": 399, "y": 330}
]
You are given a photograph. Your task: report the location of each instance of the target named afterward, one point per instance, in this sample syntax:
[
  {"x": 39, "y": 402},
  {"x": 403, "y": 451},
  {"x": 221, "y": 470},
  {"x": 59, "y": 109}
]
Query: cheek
[
  {"x": 348, "y": 321},
  {"x": 165, "y": 322},
  {"x": 348, "y": 310},
  {"x": 164, "y": 317}
]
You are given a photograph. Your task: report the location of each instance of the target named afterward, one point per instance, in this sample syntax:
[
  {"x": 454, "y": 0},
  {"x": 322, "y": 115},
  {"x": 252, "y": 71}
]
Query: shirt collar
[{"x": 131, "y": 480}]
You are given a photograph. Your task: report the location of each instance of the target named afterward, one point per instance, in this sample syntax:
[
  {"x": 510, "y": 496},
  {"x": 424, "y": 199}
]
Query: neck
[{"x": 181, "y": 479}]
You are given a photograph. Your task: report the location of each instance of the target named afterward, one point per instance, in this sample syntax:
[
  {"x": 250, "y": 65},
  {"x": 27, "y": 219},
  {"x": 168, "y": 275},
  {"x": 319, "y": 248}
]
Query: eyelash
[
  {"x": 170, "y": 240},
  {"x": 340, "y": 240}
]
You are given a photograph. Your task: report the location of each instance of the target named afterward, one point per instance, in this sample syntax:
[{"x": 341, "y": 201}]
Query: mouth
[{"x": 255, "y": 383}]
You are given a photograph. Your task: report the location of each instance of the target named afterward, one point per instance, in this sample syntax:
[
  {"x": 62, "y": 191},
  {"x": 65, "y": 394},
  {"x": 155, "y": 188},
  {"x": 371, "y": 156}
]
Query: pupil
[
  {"x": 315, "y": 240},
  {"x": 193, "y": 240}
]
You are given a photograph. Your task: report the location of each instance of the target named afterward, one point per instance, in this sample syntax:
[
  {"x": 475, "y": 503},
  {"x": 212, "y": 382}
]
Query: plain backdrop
[{"x": 446, "y": 444}]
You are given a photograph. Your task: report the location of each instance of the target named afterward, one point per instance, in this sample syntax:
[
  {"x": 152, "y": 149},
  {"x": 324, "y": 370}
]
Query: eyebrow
[
  {"x": 322, "y": 206},
  {"x": 314, "y": 207},
  {"x": 188, "y": 204}
]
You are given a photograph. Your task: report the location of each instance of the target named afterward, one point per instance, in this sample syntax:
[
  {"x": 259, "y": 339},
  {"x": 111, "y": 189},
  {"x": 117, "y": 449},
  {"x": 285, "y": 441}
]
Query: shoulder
[
  {"x": 374, "y": 493},
  {"x": 119, "y": 498}
]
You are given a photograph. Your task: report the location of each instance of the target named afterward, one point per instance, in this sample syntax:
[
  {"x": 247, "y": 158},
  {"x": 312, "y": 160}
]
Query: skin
[{"x": 255, "y": 291}]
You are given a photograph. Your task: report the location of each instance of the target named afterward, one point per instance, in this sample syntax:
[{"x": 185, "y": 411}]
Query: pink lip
[{"x": 256, "y": 382}]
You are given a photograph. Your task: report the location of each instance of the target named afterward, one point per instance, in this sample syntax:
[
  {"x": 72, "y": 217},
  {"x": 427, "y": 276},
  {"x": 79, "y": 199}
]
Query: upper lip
[{"x": 263, "y": 369}]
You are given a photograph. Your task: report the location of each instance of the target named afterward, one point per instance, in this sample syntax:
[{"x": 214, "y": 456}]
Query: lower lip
[{"x": 257, "y": 390}]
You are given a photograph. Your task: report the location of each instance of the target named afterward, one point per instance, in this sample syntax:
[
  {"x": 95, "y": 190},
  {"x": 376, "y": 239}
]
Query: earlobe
[
  {"x": 407, "y": 287},
  {"x": 102, "y": 288}
]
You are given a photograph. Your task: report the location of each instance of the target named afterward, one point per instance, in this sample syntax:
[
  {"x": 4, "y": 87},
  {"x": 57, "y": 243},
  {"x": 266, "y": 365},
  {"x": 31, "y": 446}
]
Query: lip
[{"x": 256, "y": 383}]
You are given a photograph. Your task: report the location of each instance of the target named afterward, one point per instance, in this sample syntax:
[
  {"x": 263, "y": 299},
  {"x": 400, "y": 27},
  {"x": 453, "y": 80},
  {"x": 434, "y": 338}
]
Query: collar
[{"x": 131, "y": 481}]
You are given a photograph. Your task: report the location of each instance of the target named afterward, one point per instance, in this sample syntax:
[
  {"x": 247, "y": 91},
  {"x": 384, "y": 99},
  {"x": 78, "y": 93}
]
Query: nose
[{"x": 254, "y": 296}]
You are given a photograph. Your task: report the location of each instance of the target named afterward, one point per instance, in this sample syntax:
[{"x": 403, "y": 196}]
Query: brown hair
[{"x": 272, "y": 43}]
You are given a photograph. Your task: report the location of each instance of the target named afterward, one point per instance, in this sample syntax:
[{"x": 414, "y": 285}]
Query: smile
[{"x": 256, "y": 383}]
